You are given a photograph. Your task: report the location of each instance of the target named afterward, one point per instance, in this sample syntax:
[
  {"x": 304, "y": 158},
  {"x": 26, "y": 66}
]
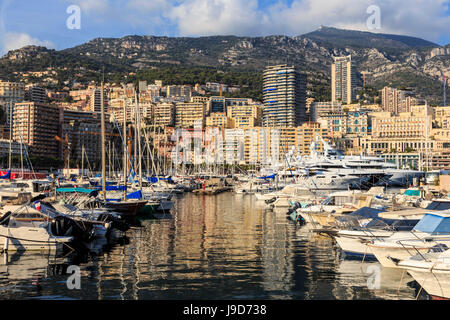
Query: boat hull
[
  {"x": 435, "y": 283},
  {"x": 354, "y": 247},
  {"x": 387, "y": 255},
  {"x": 126, "y": 208},
  {"x": 30, "y": 239}
]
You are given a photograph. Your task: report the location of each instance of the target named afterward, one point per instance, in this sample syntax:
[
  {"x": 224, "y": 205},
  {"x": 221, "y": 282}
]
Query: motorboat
[
  {"x": 27, "y": 229},
  {"x": 433, "y": 229},
  {"x": 431, "y": 271},
  {"x": 334, "y": 205}
]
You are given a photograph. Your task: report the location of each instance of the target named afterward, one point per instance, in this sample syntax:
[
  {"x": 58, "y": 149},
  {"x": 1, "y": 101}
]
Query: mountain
[
  {"x": 391, "y": 59},
  {"x": 360, "y": 39}
]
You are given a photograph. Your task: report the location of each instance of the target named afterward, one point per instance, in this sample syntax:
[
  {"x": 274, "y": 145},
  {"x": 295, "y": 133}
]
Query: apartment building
[
  {"x": 189, "y": 113},
  {"x": 36, "y": 125},
  {"x": 10, "y": 93},
  {"x": 396, "y": 101},
  {"x": 219, "y": 119},
  {"x": 164, "y": 114}
]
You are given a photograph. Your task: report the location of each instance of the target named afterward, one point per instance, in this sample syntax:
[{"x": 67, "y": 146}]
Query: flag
[{"x": 37, "y": 205}]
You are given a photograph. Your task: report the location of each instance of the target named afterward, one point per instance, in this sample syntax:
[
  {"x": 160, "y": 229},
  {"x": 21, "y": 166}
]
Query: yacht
[{"x": 373, "y": 170}]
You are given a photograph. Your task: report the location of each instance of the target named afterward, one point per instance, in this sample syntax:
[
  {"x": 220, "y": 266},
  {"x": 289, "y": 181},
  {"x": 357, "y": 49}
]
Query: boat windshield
[
  {"x": 328, "y": 201},
  {"x": 438, "y": 205}
]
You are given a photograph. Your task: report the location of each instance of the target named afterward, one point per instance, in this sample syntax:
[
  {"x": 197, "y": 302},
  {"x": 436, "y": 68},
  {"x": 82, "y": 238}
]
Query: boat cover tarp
[
  {"x": 156, "y": 179},
  {"x": 113, "y": 188},
  {"x": 413, "y": 193},
  {"x": 98, "y": 183},
  {"x": 367, "y": 212},
  {"x": 135, "y": 195},
  {"x": 434, "y": 224},
  {"x": 268, "y": 177}
]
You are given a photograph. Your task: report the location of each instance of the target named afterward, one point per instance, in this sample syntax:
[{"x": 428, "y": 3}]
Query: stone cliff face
[{"x": 381, "y": 55}]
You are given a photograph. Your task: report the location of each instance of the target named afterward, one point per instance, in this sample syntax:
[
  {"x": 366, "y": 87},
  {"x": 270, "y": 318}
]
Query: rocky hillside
[{"x": 390, "y": 59}]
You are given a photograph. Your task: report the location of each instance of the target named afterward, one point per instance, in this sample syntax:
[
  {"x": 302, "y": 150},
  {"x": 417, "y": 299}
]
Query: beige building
[
  {"x": 164, "y": 114},
  {"x": 219, "y": 119},
  {"x": 189, "y": 113},
  {"x": 396, "y": 101},
  {"x": 245, "y": 115},
  {"x": 405, "y": 132},
  {"x": 10, "y": 93}
]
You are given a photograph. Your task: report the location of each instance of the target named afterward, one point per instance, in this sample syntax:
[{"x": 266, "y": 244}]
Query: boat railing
[{"x": 415, "y": 251}]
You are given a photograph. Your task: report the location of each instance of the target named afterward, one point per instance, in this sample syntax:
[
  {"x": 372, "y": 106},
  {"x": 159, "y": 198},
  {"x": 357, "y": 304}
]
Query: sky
[{"x": 26, "y": 22}]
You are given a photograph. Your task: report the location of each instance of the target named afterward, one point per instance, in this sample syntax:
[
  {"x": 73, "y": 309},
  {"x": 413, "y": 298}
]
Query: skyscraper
[
  {"x": 343, "y": 80},
  {"x": 284, "y": 95}
]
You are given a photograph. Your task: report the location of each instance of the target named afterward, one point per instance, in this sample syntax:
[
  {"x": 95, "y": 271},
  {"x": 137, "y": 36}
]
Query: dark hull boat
[{"x": 126, "y": 208}]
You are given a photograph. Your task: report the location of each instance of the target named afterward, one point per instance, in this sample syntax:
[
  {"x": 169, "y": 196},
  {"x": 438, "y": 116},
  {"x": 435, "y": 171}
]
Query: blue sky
[{"x": 24, "y": 22}]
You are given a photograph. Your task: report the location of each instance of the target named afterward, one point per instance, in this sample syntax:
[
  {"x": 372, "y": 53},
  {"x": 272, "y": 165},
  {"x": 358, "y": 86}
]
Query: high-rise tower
[
  {"x": 284, "y": 92},
  {"x": 343, "y": 80}
]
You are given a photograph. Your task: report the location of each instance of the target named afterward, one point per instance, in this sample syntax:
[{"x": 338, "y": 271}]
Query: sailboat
[{"x": 125, "y": 205}]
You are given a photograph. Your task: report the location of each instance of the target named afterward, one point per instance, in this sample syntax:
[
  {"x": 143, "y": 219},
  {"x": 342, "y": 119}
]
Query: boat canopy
[
  {"x": 72, "y": 190},
  {"x": 268, "y": 177},
  {"x": 434, "y": 224}
]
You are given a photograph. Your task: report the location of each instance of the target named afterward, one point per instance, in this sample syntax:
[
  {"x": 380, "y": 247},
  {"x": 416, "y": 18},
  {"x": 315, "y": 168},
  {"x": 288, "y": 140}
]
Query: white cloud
[
  {"x": 210, "y": 17},
  {"x": 91, "y": 5},
  {"x": 422, "y": 18},
  {"x": 12, "y": 41}
]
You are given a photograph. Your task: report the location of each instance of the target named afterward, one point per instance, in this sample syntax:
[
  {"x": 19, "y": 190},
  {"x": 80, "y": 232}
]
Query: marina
[
  {"x": 215, "y": 247},
  {"x": 225, "y": 240},
  {"x": 311, "y": 227}
]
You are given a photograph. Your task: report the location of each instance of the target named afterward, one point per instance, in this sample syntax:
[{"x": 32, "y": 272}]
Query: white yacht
[{"x": 374, "y": 170}]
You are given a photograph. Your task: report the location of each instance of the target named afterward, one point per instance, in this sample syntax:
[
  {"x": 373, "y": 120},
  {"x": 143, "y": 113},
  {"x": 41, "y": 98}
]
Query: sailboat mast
[
  {"x": 10, "y": 135},
  {"x": 103, "y": 143},
  {"x": 125, "y": 163},
  {"x": 138, "y": 139},
  {"x": 82, "y": 160}
]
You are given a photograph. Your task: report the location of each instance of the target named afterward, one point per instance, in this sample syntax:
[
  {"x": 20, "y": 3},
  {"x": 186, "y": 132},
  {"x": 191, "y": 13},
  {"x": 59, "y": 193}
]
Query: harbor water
[{"x": 226, "y": 246}]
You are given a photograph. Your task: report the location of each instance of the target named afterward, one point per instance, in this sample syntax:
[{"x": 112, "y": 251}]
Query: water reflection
[{"x": 215, "y": 247}]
